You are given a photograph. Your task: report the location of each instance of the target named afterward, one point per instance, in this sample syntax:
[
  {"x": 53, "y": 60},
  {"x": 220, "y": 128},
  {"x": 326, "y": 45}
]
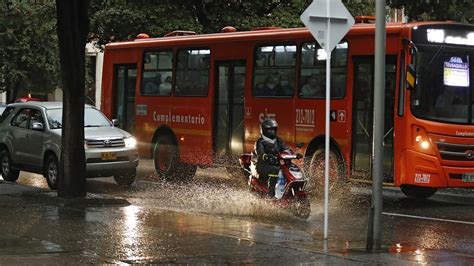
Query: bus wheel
[
  {"x": 165, "y": 157},
  {"x": 186, "y": 172},
  {"x": 315, "y": 166},
  {"x": 417, "y": 192}
]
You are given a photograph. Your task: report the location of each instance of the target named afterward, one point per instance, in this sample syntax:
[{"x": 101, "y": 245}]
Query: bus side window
[
  {"x": 274, "y": 74},
  {"x": 313, "y": 71},
  {"x": 157, "y": 73},
  {"x": 192, "y": 72}
]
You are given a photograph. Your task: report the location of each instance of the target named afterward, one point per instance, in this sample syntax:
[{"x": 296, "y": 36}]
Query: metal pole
[
  {"x": 378, "y": 126},
  {"x": 328, "y": 98}
]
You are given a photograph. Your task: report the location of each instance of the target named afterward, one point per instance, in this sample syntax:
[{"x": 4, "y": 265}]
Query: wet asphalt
[{"x": 214, "y": 220}]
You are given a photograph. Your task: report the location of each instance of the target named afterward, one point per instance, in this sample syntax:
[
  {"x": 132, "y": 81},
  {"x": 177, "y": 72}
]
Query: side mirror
[
  {"x": 115, "y": 122},
  {"x": 411, "y": 79},
  {"x": 37, "y": 126}
]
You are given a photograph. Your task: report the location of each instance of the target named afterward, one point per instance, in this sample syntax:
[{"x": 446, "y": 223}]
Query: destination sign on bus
[
  {"x": 456, "y": 72},
  {"x": 450, "y": 37}
]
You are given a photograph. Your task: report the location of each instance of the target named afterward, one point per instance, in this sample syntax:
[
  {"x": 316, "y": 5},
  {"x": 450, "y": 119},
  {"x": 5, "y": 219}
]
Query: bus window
[
  {"x": 192, "y": 72},
  {"x": 157, "y": 73},
  {"x": 274, "y": 74},
  {"x": 313, "y": 71}
]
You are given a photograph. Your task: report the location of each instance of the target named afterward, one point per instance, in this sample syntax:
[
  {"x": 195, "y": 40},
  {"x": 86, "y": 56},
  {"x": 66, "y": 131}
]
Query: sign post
[{"x": 328, "y": 21}]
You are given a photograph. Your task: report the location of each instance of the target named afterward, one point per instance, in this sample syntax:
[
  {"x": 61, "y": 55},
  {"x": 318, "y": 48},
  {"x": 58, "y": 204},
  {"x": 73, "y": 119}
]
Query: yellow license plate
[{"x": 109, "y": 156}]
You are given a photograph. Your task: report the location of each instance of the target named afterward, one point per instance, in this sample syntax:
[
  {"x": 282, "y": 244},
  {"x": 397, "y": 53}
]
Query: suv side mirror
[
  {"x": 115, "y": 122},
  {"x": 38, "y": 126},
  {"x": 411, "y": 77}
]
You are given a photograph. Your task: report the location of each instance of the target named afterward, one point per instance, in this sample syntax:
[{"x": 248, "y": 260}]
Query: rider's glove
[
  {"x": 270, "y": 158},
  {"x": 299, "y": 156}
]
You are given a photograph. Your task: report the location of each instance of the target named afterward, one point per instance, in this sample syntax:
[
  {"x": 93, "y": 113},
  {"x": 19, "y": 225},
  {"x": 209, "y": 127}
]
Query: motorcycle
[{"x": 294, "y": 196}]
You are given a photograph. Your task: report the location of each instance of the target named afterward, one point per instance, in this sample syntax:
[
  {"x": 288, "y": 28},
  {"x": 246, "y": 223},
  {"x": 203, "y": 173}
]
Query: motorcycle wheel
[{"x": 301, "y": 208}]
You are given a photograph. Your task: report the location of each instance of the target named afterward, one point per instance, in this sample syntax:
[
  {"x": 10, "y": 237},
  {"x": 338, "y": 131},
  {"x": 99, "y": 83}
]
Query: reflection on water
[{"x": 131, "y": 232}]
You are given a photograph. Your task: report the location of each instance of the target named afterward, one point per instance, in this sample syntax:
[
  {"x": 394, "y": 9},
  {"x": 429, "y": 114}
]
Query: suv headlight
[{"x": 130, "y": 142}]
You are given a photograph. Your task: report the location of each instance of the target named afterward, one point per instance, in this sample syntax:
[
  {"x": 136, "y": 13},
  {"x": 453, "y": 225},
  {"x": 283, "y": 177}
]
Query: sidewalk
[{"x": 41, "y": 229}]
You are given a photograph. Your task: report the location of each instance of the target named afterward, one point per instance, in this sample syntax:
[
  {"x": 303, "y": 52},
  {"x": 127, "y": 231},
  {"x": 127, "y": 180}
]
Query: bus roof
[{"x": 360, "y": 28}]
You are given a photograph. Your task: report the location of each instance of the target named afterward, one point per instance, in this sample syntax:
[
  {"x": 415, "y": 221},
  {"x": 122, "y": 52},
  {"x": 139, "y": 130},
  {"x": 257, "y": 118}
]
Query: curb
[{"x": 90, "y": 200}]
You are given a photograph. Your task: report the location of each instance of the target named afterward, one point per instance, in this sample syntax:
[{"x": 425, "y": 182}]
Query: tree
[
  {"x": 124, "y": 20},
  {"x": 419, "y": 10},
  {"x": 28, "y": 48},
  {"x": 73, "y": 27}
]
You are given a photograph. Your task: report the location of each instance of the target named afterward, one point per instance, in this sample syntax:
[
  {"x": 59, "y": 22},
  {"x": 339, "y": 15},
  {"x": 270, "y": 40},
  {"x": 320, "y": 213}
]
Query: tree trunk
[
  {"x": 73, "y": 26},
  {"x": 12, "y": 94}
]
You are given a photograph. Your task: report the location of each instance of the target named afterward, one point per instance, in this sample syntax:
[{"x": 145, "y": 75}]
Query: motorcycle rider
[{"x": 264, "y": 154}]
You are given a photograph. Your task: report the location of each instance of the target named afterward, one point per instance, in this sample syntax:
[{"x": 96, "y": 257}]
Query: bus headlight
[
  {"x": 130, "y": 142},
  {"x": 421, "y": 141}
]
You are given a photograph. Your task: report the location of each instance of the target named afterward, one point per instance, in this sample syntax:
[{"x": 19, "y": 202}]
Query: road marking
[{"x": 428, "y": 218}]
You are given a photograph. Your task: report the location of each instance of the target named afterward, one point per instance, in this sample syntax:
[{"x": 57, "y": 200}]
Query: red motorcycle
[{"x": 293, "y": 195}]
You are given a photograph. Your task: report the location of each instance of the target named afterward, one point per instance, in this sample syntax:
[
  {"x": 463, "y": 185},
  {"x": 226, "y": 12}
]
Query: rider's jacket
[{"x": 265, "y": 150}]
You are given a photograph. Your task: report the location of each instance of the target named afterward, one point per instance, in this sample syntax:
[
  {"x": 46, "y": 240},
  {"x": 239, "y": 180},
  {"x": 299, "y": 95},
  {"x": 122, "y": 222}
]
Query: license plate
[
  {"x": 109, "y": 156},
  {"x": 468, "y": 177}
]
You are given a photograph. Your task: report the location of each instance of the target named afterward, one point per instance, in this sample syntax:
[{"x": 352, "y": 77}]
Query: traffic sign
[{"x": 328, "y": 21}]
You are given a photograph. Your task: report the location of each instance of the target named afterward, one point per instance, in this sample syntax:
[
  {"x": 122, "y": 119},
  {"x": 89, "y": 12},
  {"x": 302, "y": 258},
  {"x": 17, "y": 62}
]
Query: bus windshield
[{"x": 444, "y": 90}]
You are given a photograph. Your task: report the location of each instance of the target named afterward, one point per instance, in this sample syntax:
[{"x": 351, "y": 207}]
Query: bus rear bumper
[{"x": 426, "y": 170}]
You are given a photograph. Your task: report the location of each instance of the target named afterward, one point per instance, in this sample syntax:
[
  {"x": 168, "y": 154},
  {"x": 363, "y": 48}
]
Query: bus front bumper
[{"x": 426, "y": 170}]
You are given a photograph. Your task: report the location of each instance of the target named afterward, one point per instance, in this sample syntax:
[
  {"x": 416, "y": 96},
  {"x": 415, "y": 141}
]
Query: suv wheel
[
  {"x": 51, "y": 171},
  {"x": 8, "y": 173},
  {"x": 126, "y": 177}
]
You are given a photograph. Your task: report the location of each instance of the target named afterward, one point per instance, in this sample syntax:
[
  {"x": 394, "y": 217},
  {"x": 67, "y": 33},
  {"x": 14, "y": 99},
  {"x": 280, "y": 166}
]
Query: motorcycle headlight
[
  {"x": 130, "y": 142},
  {"x": 297, "y": 174}
]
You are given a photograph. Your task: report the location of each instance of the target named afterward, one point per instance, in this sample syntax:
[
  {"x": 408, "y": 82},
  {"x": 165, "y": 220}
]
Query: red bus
[{"x": 198, "y": 100}]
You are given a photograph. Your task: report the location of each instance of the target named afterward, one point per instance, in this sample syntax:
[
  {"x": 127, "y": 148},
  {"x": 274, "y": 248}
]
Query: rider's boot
[{"x": 272, "y": 180}]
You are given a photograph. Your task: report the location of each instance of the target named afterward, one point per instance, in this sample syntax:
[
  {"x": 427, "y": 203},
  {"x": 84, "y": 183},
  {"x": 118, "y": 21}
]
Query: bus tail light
[{"x": 421, "y": 141}]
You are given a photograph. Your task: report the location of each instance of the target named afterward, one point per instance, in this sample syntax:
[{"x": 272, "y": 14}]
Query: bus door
[
  {"x": 362, "y": 127},
  {"x": 229, "y": 111},
  {"x": 124, "y": 87}
]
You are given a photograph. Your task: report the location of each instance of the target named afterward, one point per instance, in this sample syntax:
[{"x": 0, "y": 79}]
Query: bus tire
[
  {"x": 165, "y": 157},
  {"x": 186, "y": 172},
  {"x": 417, "y": 192},
  {"x": 315, "y": 165}
]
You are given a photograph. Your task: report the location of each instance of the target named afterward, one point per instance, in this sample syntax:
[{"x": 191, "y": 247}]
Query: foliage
[
  {"x": 419, "y": 10},
  {"x": 28, "y": 47},
  {"x": 123, "y": 20}
]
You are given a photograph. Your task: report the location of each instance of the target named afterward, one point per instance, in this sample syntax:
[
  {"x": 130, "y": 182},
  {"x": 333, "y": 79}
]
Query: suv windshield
[
  {"x": 92, "y": 118},
  {"x": 444, "y": 91}
]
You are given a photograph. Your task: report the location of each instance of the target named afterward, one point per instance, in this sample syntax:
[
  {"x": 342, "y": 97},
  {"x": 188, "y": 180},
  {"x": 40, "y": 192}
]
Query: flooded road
[{"x": 214, "y": 203}]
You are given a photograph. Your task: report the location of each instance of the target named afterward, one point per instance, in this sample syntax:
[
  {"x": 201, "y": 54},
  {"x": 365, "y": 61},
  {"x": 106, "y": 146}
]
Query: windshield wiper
[{"x": 435, "y": 55}]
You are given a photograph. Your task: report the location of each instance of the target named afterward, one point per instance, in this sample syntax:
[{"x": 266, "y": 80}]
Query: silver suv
[{"x": 30, "y": 140}]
